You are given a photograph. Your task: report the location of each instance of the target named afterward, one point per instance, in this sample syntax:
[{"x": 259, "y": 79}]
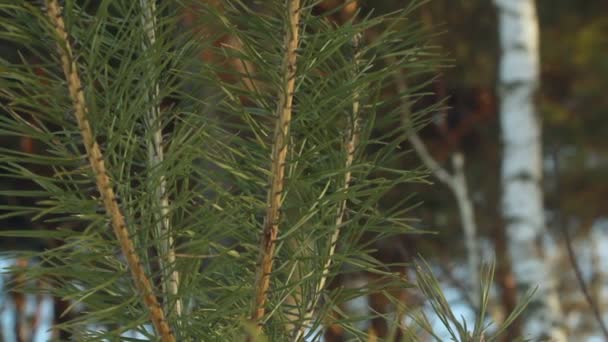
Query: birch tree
[{"x": 521, "y": 174}]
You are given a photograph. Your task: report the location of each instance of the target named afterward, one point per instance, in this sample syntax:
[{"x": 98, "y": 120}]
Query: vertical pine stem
[
  {"x": 170, "y": 278},
  {"x": 279, "y": 157},
  {"x": 351, "y": 141},
  {"x": 103, "y": 181}
]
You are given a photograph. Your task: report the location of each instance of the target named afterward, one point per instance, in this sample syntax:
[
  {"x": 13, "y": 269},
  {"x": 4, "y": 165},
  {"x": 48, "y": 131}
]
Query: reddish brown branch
[{"x": 279, "y": 156}]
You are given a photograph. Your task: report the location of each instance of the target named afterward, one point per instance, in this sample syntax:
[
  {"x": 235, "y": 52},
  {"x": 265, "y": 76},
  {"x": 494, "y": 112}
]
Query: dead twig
[{"x": 456, "y": 182}]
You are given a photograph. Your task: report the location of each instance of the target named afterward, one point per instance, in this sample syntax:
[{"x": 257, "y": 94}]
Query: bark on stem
[
  {"x": 103, "y": 182},
  {"x": 169, "y": 275},
  {"x": 270, "y": 230}
]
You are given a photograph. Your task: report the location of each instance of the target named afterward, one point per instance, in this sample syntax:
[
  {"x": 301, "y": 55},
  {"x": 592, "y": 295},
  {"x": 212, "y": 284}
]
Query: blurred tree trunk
[
  {"x": 522, "y": 199},
  {"x": 21, "y": 331},
  {"x": 506, "y": 281}
]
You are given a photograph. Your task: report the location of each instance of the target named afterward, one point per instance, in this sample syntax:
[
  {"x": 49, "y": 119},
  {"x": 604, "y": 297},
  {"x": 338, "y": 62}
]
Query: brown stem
[
  {"x": 279, "y": 155},
  {"x": 21, "y": 326},
  {"x": 506, "y": 281},
  {"x": 36, "y": 320},
  {"x": 103, "y": 182},
  {"x": 61, "y": 314}
]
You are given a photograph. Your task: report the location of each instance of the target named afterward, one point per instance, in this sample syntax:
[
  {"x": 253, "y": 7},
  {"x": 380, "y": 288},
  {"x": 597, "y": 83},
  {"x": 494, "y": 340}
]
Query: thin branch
[
  {"x": 103, "y": 182},
  {"x": 351, "y": 142},
  {"x": 597, "y": 279},
  {"x": 279, "y": 155},
  {"x": 455, "y": 182},
  {"x": 170, "y": 279},
  {"x": 419, "y": 147},
  {"x": 571, "y": 255},
  {"x": 469, "y": 226}
]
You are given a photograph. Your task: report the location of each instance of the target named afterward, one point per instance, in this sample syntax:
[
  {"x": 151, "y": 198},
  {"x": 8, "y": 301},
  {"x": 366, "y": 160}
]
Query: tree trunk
[{"x": 522, "y": 202}]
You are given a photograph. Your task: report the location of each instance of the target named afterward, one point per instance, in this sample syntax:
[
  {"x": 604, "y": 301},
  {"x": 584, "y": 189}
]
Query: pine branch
[
  {"x": 170, "y": 279},
  {"x": 352, "y": 138},
  {"x": 103, "y": 182},
  {"x": 279, "y": 156}
]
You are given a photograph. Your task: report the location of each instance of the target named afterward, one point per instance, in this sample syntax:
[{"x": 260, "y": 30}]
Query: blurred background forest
[{"x": 572, "y": 105}]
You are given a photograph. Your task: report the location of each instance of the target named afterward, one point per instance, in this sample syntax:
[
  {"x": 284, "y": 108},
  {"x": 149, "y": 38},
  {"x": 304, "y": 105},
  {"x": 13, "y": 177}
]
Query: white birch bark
[{"x": 522, "y": 199}]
